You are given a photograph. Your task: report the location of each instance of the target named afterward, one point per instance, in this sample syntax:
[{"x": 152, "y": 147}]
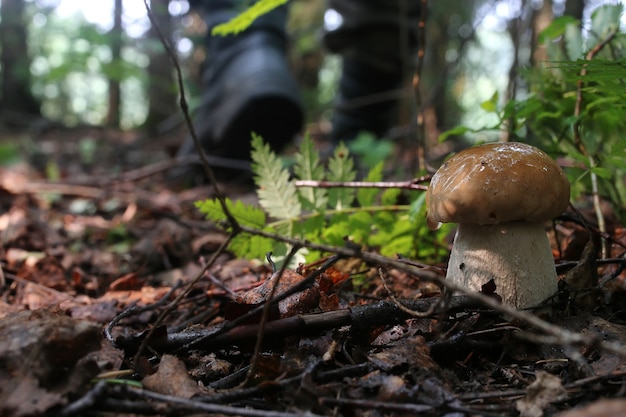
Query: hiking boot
[
  {"x": 378, "y": 42},
  {"x": 248, "y": 88}
]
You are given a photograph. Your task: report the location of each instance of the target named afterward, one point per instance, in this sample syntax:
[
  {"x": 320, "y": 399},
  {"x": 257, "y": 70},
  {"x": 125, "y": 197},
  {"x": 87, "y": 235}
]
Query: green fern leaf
[
  {"x": 341, "y": 168},
  {"x": 277, "y": 194},
  {"x": 367, "y": 196},
  {"x": 252, "y": 247},
  {"x": 337, "y": 230},
  {"x": 246, "y": 215},
  {"x": 243, "y": 20},
  {"x": 308, "y": 167},
  {"x": 243, "y": 245},
  {"x": 360, "y": 227},
  {"x": 390, "y": 196}
]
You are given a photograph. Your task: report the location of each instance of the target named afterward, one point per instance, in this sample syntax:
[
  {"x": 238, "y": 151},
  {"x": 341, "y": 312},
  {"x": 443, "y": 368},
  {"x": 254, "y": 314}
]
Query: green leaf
[
  {"x": 574, "y": 42},
  {"x": 360, "y": 224},
  {"x": 605, "y": 19},
  {"x": 455, "y": 131},
  {"x": 308, "y": 167},
  {"x": 277, "y": 194},
  {"x": 601, "y": 172},
  {"x": 253, "y": 247},
  {"x": 245, "y": 214},
  {"x": 390, "y": 196},
  {"x": 367, "y": 196},
  {"x": 337, "y": 229},
  {"x": 418, "y": 209},
  {"x": 341, "y": 168},
  {"x": 370, "y": 149},
  {"x": 243, "y": 20},
  {"x": 491, "y": 105},
  {"x": 556, "y": 28}
]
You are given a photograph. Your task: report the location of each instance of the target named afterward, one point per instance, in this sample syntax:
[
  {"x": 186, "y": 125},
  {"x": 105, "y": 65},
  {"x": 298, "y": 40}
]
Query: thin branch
[
  {"x": 183, "y": 294},
  {"x": 192, "y": 131},
  {"x": 266, "y": 314},
  {"x": 406, "y": 185}
]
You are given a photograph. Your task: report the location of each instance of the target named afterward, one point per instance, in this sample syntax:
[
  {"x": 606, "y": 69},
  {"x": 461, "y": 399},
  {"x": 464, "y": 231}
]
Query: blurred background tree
[
  {"x": 17, "y": 100},
  {"x": 100, "y": 63}
]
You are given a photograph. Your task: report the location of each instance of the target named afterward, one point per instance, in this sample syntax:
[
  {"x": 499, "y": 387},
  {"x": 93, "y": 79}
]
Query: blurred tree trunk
[
  {"x": 542, "y": 17},
  {"x": 449, "y": 28},
  {"x": 115, "y": 99},
  {"x": 17, "y": 97},
  {"x": 575, "y": 8},
  {"x": 161, "y": 92}
]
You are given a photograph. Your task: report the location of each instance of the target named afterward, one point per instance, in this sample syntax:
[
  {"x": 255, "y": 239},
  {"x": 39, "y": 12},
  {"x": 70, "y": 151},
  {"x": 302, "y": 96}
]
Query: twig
[
  {"x": 407, "y": 310},
  {"x": 192, "y": 405},
  {"x": 277, "y": 276},
  {"x": 183, "y": 294},
  {"x": 413, "y": 409},
  {"x": 363, "y": 316},
  {"x": 134, "y": 310},
  {"x": 407, "y": 185},
  {"x": 84, "y": 403},
  {"x": 276, "y": 386},
  {"x": 192, "y": 131}
]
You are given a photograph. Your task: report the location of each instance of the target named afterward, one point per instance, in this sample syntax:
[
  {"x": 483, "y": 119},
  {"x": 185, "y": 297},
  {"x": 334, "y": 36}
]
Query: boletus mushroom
[{"x": 501, "y": 195}]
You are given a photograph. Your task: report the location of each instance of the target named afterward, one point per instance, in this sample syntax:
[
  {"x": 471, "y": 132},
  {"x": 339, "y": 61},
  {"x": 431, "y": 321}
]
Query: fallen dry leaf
[
  {"x": 546, "y": 389},
  {"x": 172, "y": 378}
]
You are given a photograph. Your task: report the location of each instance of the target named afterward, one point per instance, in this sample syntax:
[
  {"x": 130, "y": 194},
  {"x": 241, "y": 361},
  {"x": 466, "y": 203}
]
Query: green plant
[
  {"x": 243, "y": 20},
  {"x": 576, "y": 105},
  {"x": 370, "y": 217}
]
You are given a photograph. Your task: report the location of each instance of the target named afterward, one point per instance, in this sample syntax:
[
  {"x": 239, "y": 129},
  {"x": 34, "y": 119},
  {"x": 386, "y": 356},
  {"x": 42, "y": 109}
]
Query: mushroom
[{"x": 501, "y": 195}]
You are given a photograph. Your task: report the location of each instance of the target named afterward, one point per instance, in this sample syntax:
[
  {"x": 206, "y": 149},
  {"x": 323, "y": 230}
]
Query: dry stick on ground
[
  {"x": 182, "y": 404},
  {"x": 362, "y": 316},
  {"x": 133, "y": 311},
  {"x": 580, "y": 144},
  {"x": 174, "y": 304}
]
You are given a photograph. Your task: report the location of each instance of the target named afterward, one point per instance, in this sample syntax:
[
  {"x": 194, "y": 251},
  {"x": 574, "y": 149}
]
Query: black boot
[
  {"x": 378, "y": 42},
  {"x": 248, "y": 88}
]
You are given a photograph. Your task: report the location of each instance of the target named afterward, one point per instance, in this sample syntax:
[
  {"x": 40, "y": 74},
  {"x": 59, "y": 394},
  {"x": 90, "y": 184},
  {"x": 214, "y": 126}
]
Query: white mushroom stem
[{"x": 517, "y": 256}]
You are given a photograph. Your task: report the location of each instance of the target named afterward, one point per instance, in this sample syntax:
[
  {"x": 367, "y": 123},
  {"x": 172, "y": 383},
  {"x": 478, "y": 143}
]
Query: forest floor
[{"x": 106, "y": 309}]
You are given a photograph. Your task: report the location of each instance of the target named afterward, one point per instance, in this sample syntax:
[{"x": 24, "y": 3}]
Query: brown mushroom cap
[{"x": 495, "y": 183}]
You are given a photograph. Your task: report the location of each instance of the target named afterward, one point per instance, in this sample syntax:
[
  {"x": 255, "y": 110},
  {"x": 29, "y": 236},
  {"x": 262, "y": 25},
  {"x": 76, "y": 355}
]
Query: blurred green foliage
[{"x": 585, "y": 64}]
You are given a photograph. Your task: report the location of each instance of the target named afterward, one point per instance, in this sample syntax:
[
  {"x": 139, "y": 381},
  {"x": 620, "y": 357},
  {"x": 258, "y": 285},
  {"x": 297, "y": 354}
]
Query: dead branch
[{"x": 365, "y": 316}]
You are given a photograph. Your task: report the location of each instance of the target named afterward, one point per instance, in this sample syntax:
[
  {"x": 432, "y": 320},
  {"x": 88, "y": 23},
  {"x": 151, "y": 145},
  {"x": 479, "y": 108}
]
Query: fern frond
[
  {"x": 367, "y": 196},
  {"x": 308, "y": 167},
  {"x": 243, "y": 20},
  {"x": 277, "y": 194},
  {"x": 249, "y": 246},
  {"x": 341, "y": 168},
  {"x": 246, "y": 215}
]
